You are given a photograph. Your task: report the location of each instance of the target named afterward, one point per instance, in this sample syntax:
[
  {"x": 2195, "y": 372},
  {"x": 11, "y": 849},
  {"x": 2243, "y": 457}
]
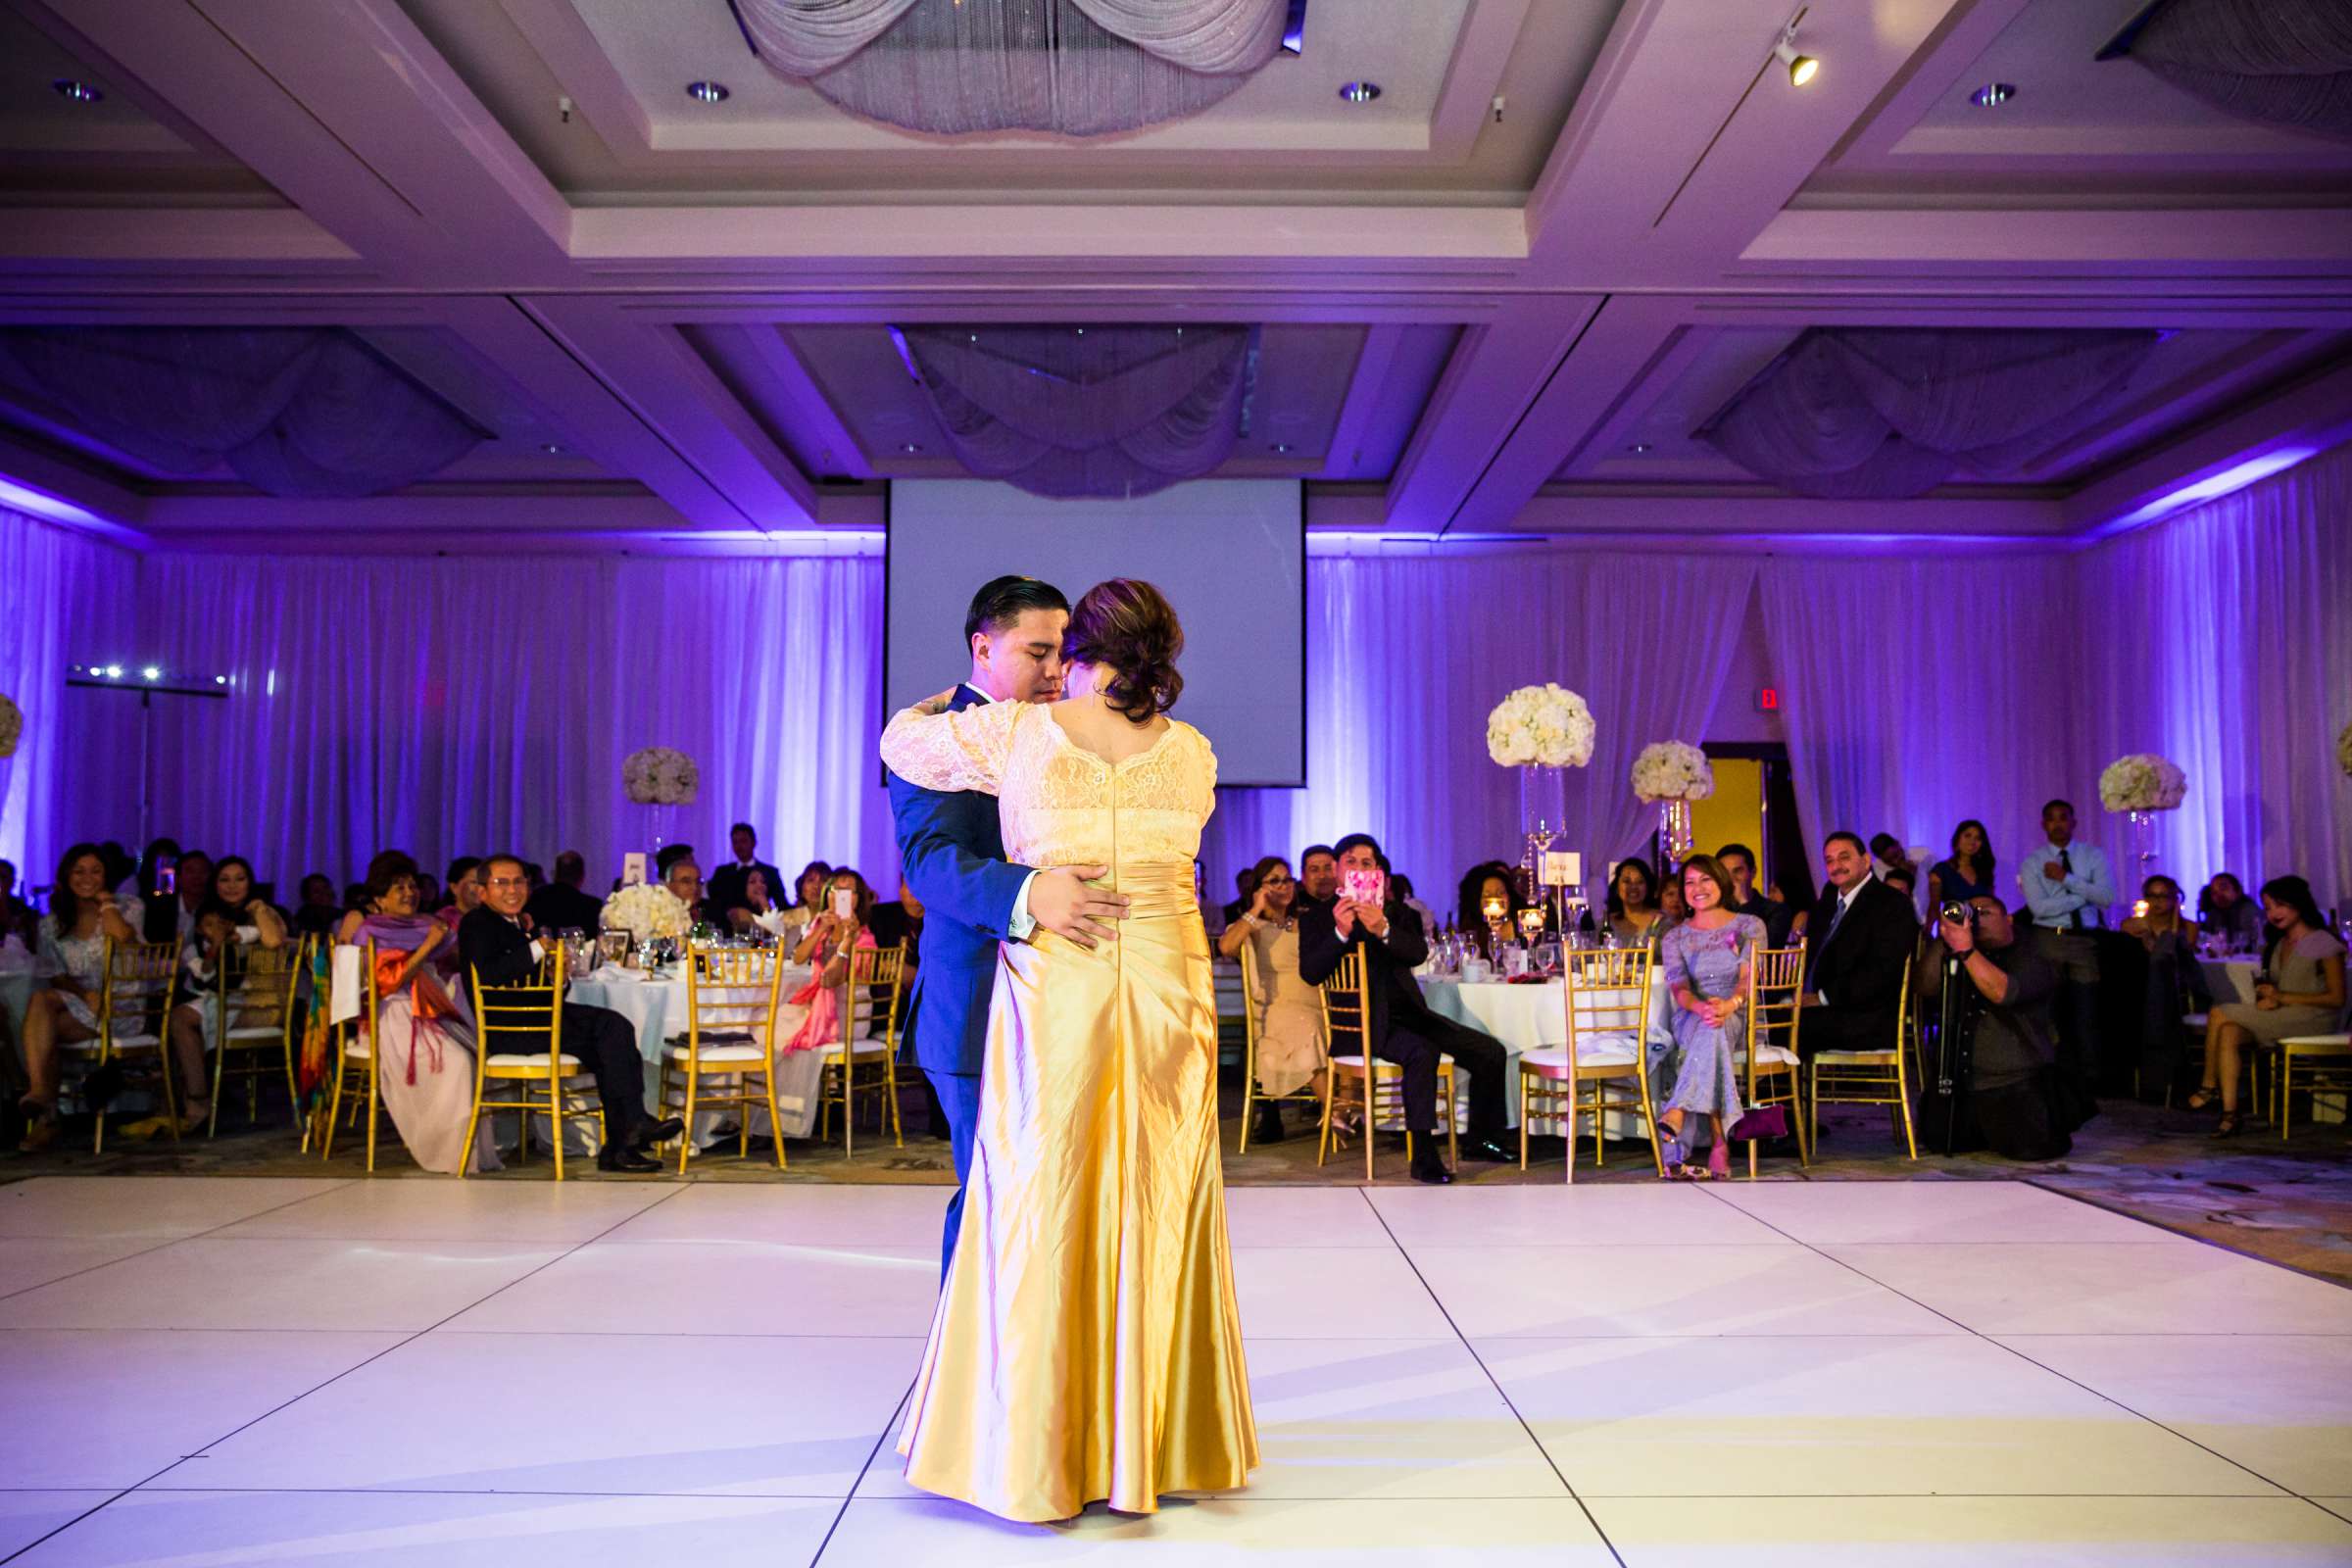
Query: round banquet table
[
  {"x": 1527, "y": 1017},
  {"x": 657, "y": 1010},
  {"x": 2230, "y": 979}
]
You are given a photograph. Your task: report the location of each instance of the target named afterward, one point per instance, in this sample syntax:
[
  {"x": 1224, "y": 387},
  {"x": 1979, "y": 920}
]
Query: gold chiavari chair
[
  {"x": 137, "y": 978},
  {"x": 2315, "y": 1064},
  {"x": 1866, "y": 1077},
  {"x": 731, "y": 996},
  {"x": 254, "y": 1022},
  {"x": 1606, "y": 994},
  {"x": 358, "y": 1046},
  {"x": 1775, "y": 989},
  {"x": 1255, "y": 991},
  {"x": 865, "y": 1058},
  {"x": 1347, "y": 1018},
  {"x": 519, "y": 1040}
]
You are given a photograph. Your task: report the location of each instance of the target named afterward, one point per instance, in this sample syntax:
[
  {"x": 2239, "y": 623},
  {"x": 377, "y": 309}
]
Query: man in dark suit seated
[
  {"x": 1860, "y": 932},
  {"x": 724, "y": 892},
  {"x": 562, "y": 905},
  {"x": 1403, "y": 1029},
  {"x": 494, "y": 942}
]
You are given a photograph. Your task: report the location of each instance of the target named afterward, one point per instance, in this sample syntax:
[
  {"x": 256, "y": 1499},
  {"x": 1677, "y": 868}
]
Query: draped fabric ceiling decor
[
  {"x": 1074, "y": 411},
  {"x": 1077, "y": 68},
  {"x": 307, "y": 412},
  {"x": 2285, "y": 63},
  {"x": 1892, "y": 413}
]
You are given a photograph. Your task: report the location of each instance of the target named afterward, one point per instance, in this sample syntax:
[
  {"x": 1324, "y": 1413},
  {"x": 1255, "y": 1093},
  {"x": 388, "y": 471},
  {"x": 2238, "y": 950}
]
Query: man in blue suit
[{"x": 952, "y": 854}]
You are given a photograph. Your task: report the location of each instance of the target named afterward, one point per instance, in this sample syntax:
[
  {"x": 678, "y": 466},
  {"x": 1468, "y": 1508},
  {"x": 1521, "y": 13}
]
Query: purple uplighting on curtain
[
  {"x": 52, "y": 581},
  {"x": 1893, "y": 412}
]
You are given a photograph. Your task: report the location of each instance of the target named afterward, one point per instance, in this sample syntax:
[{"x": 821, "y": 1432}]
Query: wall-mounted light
[{"x": 1802, "y": 68}]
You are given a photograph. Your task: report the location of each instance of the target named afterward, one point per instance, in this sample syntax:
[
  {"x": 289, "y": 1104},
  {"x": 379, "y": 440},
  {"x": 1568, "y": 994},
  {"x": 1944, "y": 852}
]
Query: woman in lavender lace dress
[{"x": 1706, "y": 960}]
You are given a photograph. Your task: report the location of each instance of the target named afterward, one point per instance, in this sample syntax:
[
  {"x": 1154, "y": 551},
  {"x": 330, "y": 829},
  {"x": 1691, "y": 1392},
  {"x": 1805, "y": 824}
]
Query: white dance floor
[{"x": 225, "y": 1371}]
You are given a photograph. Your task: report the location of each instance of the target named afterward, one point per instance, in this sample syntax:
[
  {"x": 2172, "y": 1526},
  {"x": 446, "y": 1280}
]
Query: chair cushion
[
  {"x": 1386, "y": 1068},
  {"x": 1852, "y": 1059},
  {"x": 717, "y": 1053},
  {"x": 1600, "y": 1051},
  {"x": 137, "y": 1042},
  {"x": 2195, "y": 1020},
  {"x": 860, "y": 1047},
  {"x": 256, "y": 1030},
  {"x": 2335, "y": 1042},
  {"x": 1774, "y": 1057},
  {"x": 516, "y": 1059}
]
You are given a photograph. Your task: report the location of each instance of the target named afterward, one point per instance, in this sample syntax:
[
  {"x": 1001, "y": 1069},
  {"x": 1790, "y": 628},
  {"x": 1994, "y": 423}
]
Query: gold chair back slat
[
  {"x": 869, "y": 1020},
  {"x": 1346, "y": 994},
  {"x": 525, "y": 1020},
  {"x": 1606, "y": 992}
]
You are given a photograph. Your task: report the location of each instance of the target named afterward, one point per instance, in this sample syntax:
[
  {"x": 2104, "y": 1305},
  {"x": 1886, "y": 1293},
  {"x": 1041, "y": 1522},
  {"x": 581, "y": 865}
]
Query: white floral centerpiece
[
  {"x": 659, "y": 775},
  {"x": 2142, "y": 782},
  {"x": 647, "y": 911},
  {"x": 1672, "y": 771},
  {"x": 12, "y": 725},
  {"x": 1540, "y": 726},
  {"x": 2343, "y": 749}
]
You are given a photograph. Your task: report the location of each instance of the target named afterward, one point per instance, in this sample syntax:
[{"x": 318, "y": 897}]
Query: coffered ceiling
[{"x": 1495, "y": 301}]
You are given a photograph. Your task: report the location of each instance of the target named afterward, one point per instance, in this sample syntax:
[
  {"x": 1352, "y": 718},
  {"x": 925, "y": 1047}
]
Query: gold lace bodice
[{"x": 1061, "y": 804}]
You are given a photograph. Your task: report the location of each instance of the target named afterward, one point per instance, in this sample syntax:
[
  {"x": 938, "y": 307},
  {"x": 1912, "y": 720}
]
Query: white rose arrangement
[
  {"x": 1672, "y": 771},
  {"x": 1544, "y": 726},
  {"x": 12, "y": 725},
  {"x": 2142, "y": 782},
  {"x": 2343, "y": 748},
  {"x": 647, "y": 911},
  {"x": 658, "y": 775}
]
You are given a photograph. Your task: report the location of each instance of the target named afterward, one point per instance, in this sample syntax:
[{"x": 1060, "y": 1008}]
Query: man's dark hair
[
  {"x": 1739, "y": 849},
  {"x": 744, "y": 827},
  {"x": 1880, "y": 843},
  {"x": 491, "y": 862},
  {"x": 571, "y": 868},
  {"x": 2056, "y": 801},
  {"x": 668, "y": 856},
  {"x": 1351, "y": 841},
  {"x": 1001, "y": 602},
  {"x": 1851, "y": 837},
  {"x": 459, "y": 868},
  {"x": 1313, "y": 850}
]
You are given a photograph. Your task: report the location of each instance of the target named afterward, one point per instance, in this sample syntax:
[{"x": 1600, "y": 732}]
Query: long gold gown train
[{"x": 1087, "y": 1344}]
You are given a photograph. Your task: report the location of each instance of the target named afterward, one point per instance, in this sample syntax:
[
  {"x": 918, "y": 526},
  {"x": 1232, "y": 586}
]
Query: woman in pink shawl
[{"x": 839, "y": 928}]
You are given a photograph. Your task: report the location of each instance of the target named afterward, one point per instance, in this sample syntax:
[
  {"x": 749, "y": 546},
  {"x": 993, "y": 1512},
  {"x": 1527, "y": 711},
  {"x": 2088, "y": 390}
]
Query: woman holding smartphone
[{"x": 837, "y": 932}]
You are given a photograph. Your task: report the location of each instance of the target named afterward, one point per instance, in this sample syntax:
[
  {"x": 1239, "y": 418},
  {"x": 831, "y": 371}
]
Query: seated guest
[
  {"x": 899, "y": 921},
  {"x": 1855, "y": 970},
  {"x": 157, "y": 867},
  {"x": 208, "y": 961},
  {"x": 684, "y": 880},
  {"x": 2068, "y": 888},
  {"x": 464, "y": 891},
  {"x": 1706, "y": 960},
  {"x": 1245, "y": 892},
  {"x": 2224, "y": 913},
  {"x": 257, "y": 920},
  {"x": 728, "y": 882},
  {"x": 68, "y": 975},
  {"x": 2011, "y": 1103},
  {"x": 1489, "y": 879},
  {"x": 1293, "y": 1049},
  {"x": 1671, "y": 909},
  {"x": 1888, "y": 854},
  {"x": 17, "y": 917},
  {"x": 838, "y": 931},
  {"x": 121, "y": 868},
  {"x": 424, "y": 1057},
  {"x": 429, "y": 897},
  {"x": 2175, "y": 981},
  {"x": 561, "y": 906},
  {"x": 1318, "y": 878},
  {"x": 1402, "y": 1027},
  {"x": 319, "y": 912},
  {"x": 495, "y": 944},
  {"x": 756, "y": 910},
  {"x": 1404, "y": 890},
  {"x": 1967, "y": 872},
  {"x": 1903, "y": 881},
  {"x": 2300, "y": 990},
  {"x": 1739, "y": 862},
  {"x": 1633, "y": 903},
  {"x": 172, "y": 914},
  {"x": 668, "y": 856}
]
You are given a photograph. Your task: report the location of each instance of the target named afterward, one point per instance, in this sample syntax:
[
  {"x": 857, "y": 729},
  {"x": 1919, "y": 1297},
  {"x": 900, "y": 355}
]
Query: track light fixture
[{"x": 1802, "y": 68}]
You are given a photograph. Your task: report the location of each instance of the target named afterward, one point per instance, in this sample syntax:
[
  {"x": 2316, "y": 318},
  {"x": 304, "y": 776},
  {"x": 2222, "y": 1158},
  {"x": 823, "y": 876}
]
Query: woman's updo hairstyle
[{"x": 1126, "y": 626}]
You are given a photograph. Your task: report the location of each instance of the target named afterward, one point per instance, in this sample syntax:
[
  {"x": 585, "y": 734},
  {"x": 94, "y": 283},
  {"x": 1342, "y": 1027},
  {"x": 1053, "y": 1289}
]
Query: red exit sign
[{"x": 1768, "y": 699}]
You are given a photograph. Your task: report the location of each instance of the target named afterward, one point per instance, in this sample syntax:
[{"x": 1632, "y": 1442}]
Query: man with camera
[{"x": 1999, "y": 1039}]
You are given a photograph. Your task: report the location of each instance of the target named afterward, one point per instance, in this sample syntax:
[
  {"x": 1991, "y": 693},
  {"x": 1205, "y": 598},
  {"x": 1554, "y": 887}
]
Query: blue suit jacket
[{"x": 951, "y": 851}]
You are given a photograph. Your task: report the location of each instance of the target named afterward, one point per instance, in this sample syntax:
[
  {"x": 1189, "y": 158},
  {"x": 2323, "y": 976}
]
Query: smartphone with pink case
[{"x": 1363, "y": 887}]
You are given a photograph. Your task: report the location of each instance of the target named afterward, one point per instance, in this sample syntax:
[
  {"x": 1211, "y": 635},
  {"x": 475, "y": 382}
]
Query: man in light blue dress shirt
[{"x": 2069, "y": 887}]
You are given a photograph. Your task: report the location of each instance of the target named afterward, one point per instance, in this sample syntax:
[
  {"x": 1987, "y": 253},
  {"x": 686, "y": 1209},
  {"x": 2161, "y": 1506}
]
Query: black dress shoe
[
  {"x": 1268, "y": 1129},
  {"x": 625, "y": 1160},
  {"x": 1431, "y": 1169},
  {"x": 650, "y": 1132},
  {"x": 1489, "y": 1149}
]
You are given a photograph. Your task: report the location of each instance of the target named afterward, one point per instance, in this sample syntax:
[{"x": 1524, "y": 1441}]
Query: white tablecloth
[
  {"x": 657, "y": 1010},
  {"x": 1525, "y": 1018}
]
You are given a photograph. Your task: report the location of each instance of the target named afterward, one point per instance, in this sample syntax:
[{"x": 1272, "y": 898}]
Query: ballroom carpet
[{"x": 324, "y": 1369}]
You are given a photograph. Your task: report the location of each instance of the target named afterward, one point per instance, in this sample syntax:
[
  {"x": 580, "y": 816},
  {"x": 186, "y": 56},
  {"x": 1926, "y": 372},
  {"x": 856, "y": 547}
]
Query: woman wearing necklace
[{"x": 1291, "y": 1051}]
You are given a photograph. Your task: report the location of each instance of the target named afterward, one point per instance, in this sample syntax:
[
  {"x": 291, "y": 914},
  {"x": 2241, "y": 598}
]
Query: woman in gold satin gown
[{"x": 1087, "y": 1346}]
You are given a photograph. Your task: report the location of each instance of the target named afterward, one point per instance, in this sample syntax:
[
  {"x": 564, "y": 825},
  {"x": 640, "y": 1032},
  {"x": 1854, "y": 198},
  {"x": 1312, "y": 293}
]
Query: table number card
[{"x": 1563, "y": 868}]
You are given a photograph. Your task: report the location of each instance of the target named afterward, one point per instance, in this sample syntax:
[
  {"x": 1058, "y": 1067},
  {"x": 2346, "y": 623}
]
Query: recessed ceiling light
[
  {"x": 708, "y": 92},
  {"x": 1640, "y": 448},
  {"x": 1994, "y": 95},
  {"x": 910, "y": 446},
  {"x": 551, "y": 449},
  {"x": 1361, "y": 92},
  {"x": 79, "y": 92},
  {"x": 1282, "y": 446}
]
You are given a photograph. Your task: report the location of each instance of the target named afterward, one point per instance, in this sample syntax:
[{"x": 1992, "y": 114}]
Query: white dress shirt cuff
[
  {"x": 1021, "y": 925},
  {"x": 538, "y": 952}
]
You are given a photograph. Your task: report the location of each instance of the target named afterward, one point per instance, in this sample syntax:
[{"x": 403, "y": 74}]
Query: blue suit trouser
[{"x": 960, "y": 1097}]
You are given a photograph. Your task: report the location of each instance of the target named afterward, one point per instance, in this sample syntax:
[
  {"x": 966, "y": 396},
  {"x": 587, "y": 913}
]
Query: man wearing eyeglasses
[{"x": 495, "y": 941}]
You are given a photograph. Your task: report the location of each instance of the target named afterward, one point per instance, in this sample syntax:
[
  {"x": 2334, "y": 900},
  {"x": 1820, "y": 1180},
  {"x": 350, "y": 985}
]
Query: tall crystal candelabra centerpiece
[
  {"x": 1671, "y": 774},
  {"x": 1543, "y": 731},
  {"x": 2140, "y": 785}
]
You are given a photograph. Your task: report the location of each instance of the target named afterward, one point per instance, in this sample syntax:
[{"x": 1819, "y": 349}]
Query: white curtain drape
[
  {"x": 1082, "y": 68},
  {"x": 56, "y": 585}
]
